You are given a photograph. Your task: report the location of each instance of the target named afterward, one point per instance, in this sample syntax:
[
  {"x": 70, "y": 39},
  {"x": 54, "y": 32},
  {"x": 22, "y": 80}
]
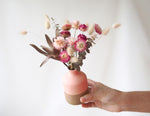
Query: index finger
[{"x": 91, "y": 82}]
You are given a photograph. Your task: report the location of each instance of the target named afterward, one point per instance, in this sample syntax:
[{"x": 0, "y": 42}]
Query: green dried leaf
[
  {"x": 82, "y": 53},
  {"x": 38, "y": 49},
  {"x": 88, "y": 51},
  {"x": 88, "y": 44},
  {"x": 49, "y": 42},
  {"x": 90, "y": 40},
  {"x": 57, "y": 33},
  {"x": 76, "y": 66},
  {"x": 78, "y": 69},
  {"x": 83, "y": 57},
  {"x": 79, "y": 63}
]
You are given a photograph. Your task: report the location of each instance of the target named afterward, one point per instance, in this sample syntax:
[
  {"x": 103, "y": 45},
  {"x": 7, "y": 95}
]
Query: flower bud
[
  {"x": 83, "y": 27},
  {"x": 90, "y": 29},
  {"x": 66, "y": 27},
  {"x": 65, "y": 33},
  {"x": 105, "y": 31},
  {"x": 75, "y": 24},
  {"x": 98, "y": 29},
  {"x": 116, "y": 25}
]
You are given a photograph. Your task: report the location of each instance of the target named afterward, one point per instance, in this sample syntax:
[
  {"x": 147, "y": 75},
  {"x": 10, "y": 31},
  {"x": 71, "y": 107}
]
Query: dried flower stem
[
  {"x": 66, "y": 65},
  {"x": 75, "y": 33},
  {"x": 71, "y": 67}
]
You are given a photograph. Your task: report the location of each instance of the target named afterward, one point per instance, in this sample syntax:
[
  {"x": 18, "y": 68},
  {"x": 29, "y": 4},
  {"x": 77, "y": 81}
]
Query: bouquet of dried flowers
[{"x": 71, "y": 42}]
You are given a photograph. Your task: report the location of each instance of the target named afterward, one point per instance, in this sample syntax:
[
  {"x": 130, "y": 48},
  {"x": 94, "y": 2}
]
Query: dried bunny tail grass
[
  {"x": 87, "y": 24},
  {"x": 47, "y": 17},
  {"x": 93, "y": 36},
  {"x": 74, "y": 59},
  {"x": 67, "y": 21},
  {"x": 47, "y": 25},
  {"x": 47, "y": 22},
  {"x": 23, "y": 32},
  {"x": 116, "y": 25},
  {"x": 90, "y": 29},
  {"x": 105, "y": 31},
  {"x": 70, "y": 51}
]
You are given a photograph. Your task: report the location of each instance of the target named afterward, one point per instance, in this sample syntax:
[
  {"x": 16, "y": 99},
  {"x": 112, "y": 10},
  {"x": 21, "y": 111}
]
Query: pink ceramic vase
[{"x": 75, "y": 85}]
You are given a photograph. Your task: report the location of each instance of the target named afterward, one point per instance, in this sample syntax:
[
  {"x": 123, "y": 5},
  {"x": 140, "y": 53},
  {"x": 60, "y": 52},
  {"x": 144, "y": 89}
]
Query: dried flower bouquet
[{"x": 70, "y": 48}]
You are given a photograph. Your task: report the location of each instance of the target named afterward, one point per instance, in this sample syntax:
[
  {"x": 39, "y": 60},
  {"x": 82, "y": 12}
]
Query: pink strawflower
[
  {"x": 59, "y": 43},
  {"x": 83, "y": 27},
  {"x": 64, "y": 57},
  {"x": 80, "y": 45},
  {"x": 98, "y": 29},
  {"x": 65, "y": 33},
  {"x": 71, "y": 40},
  {"x": 75, "y": 24},
  {"x": 82, "y": 36},
  {"x": 66, "y": 27}
]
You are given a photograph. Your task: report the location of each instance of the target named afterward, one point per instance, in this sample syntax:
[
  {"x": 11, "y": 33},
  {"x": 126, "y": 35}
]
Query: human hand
[{"x": 101, "y": 96}]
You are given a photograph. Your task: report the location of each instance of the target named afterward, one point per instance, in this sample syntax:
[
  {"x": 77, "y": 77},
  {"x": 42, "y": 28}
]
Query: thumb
[{"x": 86, "y": 98}]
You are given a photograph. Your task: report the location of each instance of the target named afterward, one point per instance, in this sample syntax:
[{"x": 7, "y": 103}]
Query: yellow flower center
[{"x": 64, "y": 56}]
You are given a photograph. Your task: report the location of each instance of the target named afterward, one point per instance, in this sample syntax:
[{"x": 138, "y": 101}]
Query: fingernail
[{"x": 83, "y": 99}]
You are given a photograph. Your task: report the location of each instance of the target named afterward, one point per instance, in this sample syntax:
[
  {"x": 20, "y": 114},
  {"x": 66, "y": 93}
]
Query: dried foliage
[{"x": 49, "y": 52}]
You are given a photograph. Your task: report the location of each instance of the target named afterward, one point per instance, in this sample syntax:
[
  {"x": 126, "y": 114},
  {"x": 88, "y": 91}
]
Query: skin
[{"x": 113, "y": 100}]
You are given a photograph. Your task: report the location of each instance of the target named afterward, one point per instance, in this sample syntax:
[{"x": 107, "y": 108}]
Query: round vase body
[{"x": 75, "y": 85}]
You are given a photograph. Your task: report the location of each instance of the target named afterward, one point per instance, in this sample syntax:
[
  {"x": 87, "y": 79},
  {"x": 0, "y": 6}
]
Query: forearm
[{"x": 135, "y": 101}]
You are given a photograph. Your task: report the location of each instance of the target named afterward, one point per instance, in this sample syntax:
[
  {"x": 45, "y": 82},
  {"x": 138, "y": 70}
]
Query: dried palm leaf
[
  {"x": 38, "y": 49},
  {"x": 45, "y": 61},
  {"x": 56, "y": 52},
  {"x": 49, "y": 42},
  {"x": 48, "y": 50}
]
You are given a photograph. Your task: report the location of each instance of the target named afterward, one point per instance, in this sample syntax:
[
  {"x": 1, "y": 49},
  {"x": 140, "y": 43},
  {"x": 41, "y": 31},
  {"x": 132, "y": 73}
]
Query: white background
[{"x": 121, "y": 60}]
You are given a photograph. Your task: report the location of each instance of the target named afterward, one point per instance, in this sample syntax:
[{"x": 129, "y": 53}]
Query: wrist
[
  {"x": 119, "y": 101},
  {"x": 115, "y": 103},
  {"x": 123, "y": 101}
]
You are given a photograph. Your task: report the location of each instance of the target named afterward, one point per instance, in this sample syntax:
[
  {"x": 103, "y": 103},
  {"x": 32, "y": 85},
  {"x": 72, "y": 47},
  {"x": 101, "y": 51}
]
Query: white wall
[{"x": 121, "y": 60}]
